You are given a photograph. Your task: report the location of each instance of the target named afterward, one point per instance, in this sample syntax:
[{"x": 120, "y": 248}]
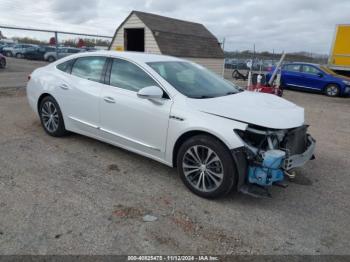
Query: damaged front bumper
[
  {"x": 268, "y": 154},
  {"x": 299, "y": 160}
]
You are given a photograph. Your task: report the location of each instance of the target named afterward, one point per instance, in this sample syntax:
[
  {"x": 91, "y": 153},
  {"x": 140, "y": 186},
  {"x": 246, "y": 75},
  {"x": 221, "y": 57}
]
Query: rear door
[
  {"x": 313, "y": 78},
  {"x": 79, "y": 89},
  {"x": 291, "y": 75},
  {"x": 138, "y": 124}
]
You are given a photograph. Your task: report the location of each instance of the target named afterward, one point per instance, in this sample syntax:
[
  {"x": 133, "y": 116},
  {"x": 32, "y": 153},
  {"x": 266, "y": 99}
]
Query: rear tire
[
  {"x": 206, "y": 166},
  {"x": 332, "y": 90},
  {"x": 8, "y": 53},
  {"x": 51, "y": 117},
  {"x": 19, "y": 55}
]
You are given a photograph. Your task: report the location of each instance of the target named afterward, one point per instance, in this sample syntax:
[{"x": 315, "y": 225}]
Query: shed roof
[{"x": 181, "y": 38}]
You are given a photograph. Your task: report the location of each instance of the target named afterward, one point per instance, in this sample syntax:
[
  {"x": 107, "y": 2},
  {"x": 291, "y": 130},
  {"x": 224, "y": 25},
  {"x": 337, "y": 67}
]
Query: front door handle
[
  {"x": 64, "y": 86},
  {"x": 109, "y": 99}
]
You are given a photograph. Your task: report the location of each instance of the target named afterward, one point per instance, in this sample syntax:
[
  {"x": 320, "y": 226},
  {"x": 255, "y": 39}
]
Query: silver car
[
  {"x": 17, "y": 50},
  {"x": 61, "y": 52}
]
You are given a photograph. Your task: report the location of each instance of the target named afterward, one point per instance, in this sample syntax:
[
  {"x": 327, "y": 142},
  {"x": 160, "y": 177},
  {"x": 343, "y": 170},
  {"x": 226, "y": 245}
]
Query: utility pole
[{"x": 223, "y": 44}]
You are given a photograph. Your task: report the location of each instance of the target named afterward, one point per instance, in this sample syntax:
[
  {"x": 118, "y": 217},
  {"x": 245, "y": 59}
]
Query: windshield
[{"x": 193, "y": 80}]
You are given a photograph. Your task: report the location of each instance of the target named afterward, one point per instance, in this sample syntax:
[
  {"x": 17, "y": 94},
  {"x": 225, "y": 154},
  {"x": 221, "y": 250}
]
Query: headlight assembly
[{"x": 346, "y": 82}]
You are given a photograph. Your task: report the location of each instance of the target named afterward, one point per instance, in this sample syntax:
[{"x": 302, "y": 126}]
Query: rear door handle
[
  {"x": 64, "y": 86},
  {"x": 109, "y": 99}
]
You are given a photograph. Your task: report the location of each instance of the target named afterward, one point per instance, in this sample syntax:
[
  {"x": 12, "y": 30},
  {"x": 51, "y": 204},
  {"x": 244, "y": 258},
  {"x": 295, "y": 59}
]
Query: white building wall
[
  {"x": 214, "y": 64},
  {"x": 151, "y": 45}
]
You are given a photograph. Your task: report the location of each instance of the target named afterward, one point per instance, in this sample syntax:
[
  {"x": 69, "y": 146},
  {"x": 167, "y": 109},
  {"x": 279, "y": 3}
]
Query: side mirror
[
  {"x": 150, "y": 92},
  {"x": 320, "y": 75}
]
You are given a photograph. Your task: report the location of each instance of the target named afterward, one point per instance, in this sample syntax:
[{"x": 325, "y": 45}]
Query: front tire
[
  {"x": 206, "y": 166},
  {"x": 332, "y": 90},
  {"x": 51, "y": 117}
]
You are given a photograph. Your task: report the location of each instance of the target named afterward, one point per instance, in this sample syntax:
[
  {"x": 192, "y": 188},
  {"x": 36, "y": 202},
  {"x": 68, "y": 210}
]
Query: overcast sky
[{"x": 290, "y": 25}]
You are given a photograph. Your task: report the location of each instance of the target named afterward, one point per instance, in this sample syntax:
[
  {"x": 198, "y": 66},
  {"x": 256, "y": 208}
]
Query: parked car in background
[
  {"x": 2, "y": 61},
  {"x": 3, "y": 45},
  {"x": 177, "y": 112},
  {"x": 17, "y": 50},
  {"x": 313, "y": 77},
  {"x": 37, "y": 53},
  {"x": 61, "y": 52}
]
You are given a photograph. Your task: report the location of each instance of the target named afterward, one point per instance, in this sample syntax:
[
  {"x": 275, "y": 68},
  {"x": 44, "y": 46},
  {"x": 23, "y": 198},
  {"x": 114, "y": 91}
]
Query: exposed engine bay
[{"x": 271, "y": 153}]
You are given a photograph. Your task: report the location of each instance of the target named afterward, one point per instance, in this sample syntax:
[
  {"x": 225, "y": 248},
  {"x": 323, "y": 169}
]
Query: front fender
[{"x": 181, "y": 123}]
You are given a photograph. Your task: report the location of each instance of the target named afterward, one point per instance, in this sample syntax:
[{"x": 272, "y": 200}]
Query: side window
[
  {"x": 310, "y": 70},
  {"x": 73, "y": 51},
  {"x": 128, "y": 76},
  {"x": 89, "y": 67},
  {"x": 66, "y": 66},
  {"x": 292, "y": 68}
]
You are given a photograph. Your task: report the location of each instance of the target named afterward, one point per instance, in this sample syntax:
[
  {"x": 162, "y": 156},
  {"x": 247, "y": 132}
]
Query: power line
[{"x": 53, "y": 31}]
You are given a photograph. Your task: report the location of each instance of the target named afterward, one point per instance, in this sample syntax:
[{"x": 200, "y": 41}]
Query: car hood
[
  {"x": 340, "y": 77},
  {"x": 260, "y": 109}
]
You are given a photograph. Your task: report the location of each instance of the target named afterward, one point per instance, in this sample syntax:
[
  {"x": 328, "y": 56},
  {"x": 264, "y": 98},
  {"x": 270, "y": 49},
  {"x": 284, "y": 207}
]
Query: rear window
[
  {"x": 73, "y": 51},
  {"x": 292, "y": 68},
  {"x": 89, "y": 68}
]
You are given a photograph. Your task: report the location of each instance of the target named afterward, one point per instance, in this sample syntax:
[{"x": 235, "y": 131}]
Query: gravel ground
[{"x": 75, "y": 195}]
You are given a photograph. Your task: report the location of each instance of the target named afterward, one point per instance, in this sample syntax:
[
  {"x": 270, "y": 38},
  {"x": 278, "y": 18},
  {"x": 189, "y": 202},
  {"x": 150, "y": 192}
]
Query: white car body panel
[
  {"x": 151, "y": 128},
  {"x": 135, "y": 122},
  {"x": 254, "y": 108}
]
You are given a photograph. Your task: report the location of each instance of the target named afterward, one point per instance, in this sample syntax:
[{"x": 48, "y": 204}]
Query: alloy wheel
[
  {"x": 332, "y": 90},
  {"x": 49, "y": 115},
  {"x": 203, "y": 168}
]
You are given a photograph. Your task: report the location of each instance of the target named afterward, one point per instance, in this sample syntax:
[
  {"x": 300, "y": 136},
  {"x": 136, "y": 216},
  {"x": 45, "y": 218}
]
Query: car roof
[
  {"x": 303, "y": 63},
  {"x": 135, "y": 56}
]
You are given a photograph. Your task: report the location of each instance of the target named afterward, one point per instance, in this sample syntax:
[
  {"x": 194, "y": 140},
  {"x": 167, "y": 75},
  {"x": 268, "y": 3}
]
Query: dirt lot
[{"x": 75, "y": 195}]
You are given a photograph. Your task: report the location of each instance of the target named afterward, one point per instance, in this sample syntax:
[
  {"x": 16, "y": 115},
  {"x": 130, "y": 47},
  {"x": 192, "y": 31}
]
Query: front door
[
  {"x": 313, "y": 78},
  {"x": 135, "y": 123}
]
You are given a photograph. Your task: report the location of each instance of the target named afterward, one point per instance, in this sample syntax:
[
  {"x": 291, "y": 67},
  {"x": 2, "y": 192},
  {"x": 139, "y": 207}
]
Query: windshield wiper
[{"x": 202, "y": 97}]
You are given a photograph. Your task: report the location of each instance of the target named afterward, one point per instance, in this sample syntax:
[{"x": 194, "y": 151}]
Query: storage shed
[{"x": 150, "y": 33}]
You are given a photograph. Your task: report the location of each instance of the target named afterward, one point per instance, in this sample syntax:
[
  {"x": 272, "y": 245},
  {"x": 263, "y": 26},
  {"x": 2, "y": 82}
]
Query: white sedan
[{"x": 176, "y": 112}]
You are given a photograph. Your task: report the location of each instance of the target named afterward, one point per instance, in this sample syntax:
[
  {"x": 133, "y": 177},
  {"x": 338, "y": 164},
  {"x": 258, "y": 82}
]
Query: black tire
[
  {"x": 332, "y": 90},
  {"x": 228, "y": 167},
  {"x": 51, "y": 59},
  {"x": 47, "y": 104},
  {"x": 19, "y": 55},
  {"x": 8, "y": 53},
  {"x": 2, "y": 63}
]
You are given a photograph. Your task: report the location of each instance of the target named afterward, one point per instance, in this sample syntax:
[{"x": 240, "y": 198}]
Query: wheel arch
[
  {"x": 331, "y": 83},
  {"x": 41, "y": 97},
  {"x": 187, "y": 135}
]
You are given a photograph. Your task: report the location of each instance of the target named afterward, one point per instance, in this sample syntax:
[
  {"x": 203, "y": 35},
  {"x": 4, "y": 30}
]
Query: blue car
[{"x": 313, "y": 77}]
